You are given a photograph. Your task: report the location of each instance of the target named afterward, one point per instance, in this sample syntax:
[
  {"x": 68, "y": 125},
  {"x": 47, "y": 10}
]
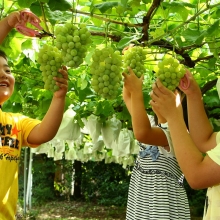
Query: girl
[
  {"x": 156, "y": 188},
  {"x": 201, "y": 172}
]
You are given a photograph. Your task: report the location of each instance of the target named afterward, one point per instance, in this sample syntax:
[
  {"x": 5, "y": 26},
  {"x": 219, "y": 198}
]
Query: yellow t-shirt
[
  {"x": 212, "y": 208},
  {"x": 14, "y": 131}
]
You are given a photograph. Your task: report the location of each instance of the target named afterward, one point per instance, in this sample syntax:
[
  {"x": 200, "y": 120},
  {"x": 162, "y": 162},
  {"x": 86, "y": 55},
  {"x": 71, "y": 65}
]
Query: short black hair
[{"x": 3, "y": 54}]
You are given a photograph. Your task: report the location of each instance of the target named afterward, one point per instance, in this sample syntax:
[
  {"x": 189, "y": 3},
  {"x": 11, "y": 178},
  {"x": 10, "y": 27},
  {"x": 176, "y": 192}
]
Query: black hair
[
  {"x": 3, "y": 54},
  {"x": 185, "y": 113}
]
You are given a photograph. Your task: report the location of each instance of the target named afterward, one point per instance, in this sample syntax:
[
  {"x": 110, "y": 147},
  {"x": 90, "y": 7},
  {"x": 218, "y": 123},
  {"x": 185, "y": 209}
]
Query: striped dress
[{"x": 156, "y": 187}]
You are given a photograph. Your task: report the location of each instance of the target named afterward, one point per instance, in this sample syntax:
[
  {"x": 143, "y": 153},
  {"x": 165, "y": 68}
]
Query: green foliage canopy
[{"x": 187, "y": 30}]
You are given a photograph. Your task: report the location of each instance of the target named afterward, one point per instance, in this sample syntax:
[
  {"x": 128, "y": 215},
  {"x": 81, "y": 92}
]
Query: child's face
[{"x": 7, "y": 81}]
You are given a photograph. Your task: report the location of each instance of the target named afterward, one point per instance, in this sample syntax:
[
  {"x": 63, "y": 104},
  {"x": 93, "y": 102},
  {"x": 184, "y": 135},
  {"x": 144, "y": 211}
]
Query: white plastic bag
[
  {"x": 134, "y": 147},
  {"x": 110, "y": 131},
  {"x": 58, "y": 155},
  {"x": 98, "y": 146},
  {"x": 218, "y": 86},
  {"x": 70, "y": 154},
  {"x": 59, "y": 145},
  {"x": 42, "y": 149},
  {"x": 68, "y": 130},
  {"x": 51, "y": 152},
  {"x": 88, "y": 148},
  {"x": 93, "y": 126},
  {"x": 123, "y": 144}
]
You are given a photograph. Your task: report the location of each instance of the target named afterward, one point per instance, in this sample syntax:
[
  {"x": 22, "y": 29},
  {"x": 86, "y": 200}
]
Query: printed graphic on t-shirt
[{"x": 9, "y": 143}]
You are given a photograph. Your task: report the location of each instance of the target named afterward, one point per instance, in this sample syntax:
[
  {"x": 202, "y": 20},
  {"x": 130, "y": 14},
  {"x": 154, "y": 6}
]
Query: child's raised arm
[
  {"x": 50, "y": 124},
  {"x": 200, "y": 172},
  {"x": 140, "y": 122},
  {"x": 200, "y": 127},
  {"x": 8, "y": 23}
]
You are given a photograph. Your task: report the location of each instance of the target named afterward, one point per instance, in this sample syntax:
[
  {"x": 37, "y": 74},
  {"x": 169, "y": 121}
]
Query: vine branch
[
  {"x": 148, "y": 17},
  {"x": 106, "y": 19}
]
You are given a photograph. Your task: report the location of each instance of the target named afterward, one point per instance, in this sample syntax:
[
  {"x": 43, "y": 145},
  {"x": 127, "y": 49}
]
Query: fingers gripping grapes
[
  {"x": 164, "y": 101},
  {"x": 131, "y": 81},
  {"x": 158, "y": 88},
  {"x": 62, "y": 82},
  {"x": 153, "y": 93}
]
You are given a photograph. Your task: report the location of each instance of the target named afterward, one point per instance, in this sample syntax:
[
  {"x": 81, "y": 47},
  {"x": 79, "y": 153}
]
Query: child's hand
[
  {"x": 193, "y": 87},
  {"x": 62, "y": 83},
  {"x": 128, "y": 47},
  {"x": 165, "y": 102},
  {"x": 131, "y": 82},
  {"x": 15, "y": 17}
]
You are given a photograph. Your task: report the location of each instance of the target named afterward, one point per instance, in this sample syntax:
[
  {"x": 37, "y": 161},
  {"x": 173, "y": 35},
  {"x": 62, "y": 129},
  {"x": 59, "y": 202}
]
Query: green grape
[
  {"x": 106, "y": 72},
  {"x": 161, "y": 77},
  {"x": 54, "y": 73},
  {"x": 106, "y": 83},
  {"x": 167, "y": 74},
  {"x": 170, "y": 72},
  {"x": 130, "y": 60},
  {"x": 105, "y": 90},
  {"x": 45, "y": 57}
]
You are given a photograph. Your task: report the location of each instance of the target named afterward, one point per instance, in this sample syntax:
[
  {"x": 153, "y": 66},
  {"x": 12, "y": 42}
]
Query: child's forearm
[
  {"x": 200, "y": 172},
  {"x": 140, "y": 120},
  {"x": 5, "y": 29},
  {"x": 200, "y": 128},
  {"x": 127, "y": 99},
  {"x": 50, "y": 124},
  {"x": 188, "y": 156},
  {"x": 52, "y": 120}
]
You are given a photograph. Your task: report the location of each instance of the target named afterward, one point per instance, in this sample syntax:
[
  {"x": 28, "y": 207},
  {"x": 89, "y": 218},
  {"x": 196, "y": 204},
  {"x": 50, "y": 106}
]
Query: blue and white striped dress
[{"x": 156, "y": 187}]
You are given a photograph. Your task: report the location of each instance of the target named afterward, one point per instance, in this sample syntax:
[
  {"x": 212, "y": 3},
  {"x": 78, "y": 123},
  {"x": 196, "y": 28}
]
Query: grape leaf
[
  {"x": 213, "y": 29},
  {"x": 105, "y": 6},
  {"x": 61, "y": 5},
  {"x": 25, "y": 3},
  {"x": 191, "y": 34},
  {"x": 125, "y": 41},
  {"x": 44, "y": 1}
]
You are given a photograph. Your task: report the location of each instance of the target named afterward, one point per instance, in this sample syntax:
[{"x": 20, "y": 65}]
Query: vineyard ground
[{"x": 73, "y": 210}]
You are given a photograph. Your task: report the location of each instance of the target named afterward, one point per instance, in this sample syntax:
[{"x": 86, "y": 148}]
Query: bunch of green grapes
[
  {"x": 73, "y": 42},
  {"x": 50, "y": 61},
  {"x": 170, "y": 71},
  {"x": 134, "y": 57},
  {"x": 106, "y": 69}
]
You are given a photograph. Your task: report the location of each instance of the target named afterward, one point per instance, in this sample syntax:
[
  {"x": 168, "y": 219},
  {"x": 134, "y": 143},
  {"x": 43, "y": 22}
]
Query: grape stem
[{"x": 44, "y": 16}]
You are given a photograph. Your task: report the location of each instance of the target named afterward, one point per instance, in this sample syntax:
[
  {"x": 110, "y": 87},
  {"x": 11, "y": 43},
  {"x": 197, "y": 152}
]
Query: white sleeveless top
[{"x": 212, "y": 206}]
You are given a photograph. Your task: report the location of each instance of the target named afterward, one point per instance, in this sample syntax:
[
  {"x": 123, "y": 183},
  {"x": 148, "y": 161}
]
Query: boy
[{"x": 17, "y": 130}]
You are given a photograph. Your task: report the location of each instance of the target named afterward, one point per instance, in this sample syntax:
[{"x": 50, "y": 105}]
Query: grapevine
[
  {"x": 73, "y": 42},
  {"x": 134, "y": 57},
  {"x": 106, "y": 68},
  {"x": 50, "y": 61},
  {"x": 170, "y": 72}
]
